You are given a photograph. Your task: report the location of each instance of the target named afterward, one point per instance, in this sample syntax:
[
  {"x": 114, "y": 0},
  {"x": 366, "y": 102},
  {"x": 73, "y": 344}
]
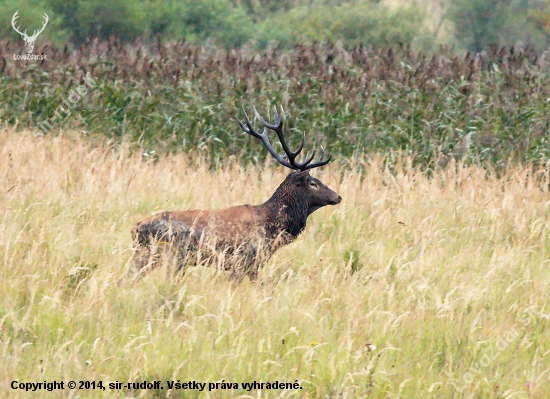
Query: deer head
[
  {"x": 304, "y": 189},
  {"x": 29, "y": 40}
]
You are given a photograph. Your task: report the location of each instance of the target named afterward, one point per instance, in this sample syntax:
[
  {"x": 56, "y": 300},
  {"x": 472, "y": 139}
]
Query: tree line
[{"x": 465, "y": 24}]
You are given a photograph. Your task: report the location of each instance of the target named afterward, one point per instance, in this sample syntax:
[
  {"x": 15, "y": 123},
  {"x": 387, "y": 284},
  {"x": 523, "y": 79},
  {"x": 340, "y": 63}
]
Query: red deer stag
[{"x": 240, "y": 238}]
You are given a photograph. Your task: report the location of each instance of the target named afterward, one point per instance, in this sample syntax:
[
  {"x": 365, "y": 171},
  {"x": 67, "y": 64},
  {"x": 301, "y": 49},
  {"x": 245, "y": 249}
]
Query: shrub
[
  {"x": 481, "y": 23},
  {"x": 364, "y": 23}
]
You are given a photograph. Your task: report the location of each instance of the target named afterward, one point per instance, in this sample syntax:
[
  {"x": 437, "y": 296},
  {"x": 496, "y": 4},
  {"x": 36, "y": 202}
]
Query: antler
[
  {"x": 46, "y": 19},
  {"x": 13, "y": 21},
  {"x": 278, "y": 128},
  {"x": 36, "y": 33}
]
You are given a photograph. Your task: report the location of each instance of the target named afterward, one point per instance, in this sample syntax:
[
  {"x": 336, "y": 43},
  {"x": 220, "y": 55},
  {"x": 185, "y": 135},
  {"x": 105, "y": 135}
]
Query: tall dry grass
[{"x": 447, "y": 276}]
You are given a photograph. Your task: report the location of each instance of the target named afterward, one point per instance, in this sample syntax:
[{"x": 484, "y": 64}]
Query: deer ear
[{"x": 301, "y": 176}]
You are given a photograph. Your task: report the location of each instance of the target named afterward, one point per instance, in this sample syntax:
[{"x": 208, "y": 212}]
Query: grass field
[{"x": 448, "y": 277}]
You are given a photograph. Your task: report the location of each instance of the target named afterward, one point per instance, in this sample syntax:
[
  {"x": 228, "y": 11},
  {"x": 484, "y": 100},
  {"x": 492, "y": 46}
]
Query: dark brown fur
[{"x": 240, "y": 238}]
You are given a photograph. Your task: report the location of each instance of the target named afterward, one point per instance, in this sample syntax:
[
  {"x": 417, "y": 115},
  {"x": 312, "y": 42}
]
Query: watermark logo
[
  {"x": 492, "y": 351},
  {"x": 29, "y": 40}
]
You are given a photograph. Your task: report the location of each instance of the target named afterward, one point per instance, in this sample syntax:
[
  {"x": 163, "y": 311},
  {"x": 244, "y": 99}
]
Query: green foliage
[
  {"x": 181, "y": 97},
  {"x": 85, "y": 18},
  {"x": 481, "y": 23},
  {"x": 194, "y": 20},
  {"x": 470, "y": 24},
  {"x": 355, "y": 23},
  {"x": 352, "y": 260},
  {"x": 257, "y": 8},
  {"x": 31, "y": 14},
  {"x": 230, "y": 23},
  {"x": 219, "y": 19},
  {"x": 375, "y": 25},
  {"x": 540, "y": 17}
]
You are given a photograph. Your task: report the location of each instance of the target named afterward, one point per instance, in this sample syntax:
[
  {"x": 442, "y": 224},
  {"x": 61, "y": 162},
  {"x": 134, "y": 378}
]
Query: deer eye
[{"x": 313, "y": 184}]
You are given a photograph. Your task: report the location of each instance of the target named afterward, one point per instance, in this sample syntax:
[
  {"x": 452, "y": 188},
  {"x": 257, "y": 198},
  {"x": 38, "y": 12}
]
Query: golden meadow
[{"x": 412, "y": 287}]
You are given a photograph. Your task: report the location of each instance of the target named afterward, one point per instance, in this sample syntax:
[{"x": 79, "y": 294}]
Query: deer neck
[{"x": 286, "y": 211}]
